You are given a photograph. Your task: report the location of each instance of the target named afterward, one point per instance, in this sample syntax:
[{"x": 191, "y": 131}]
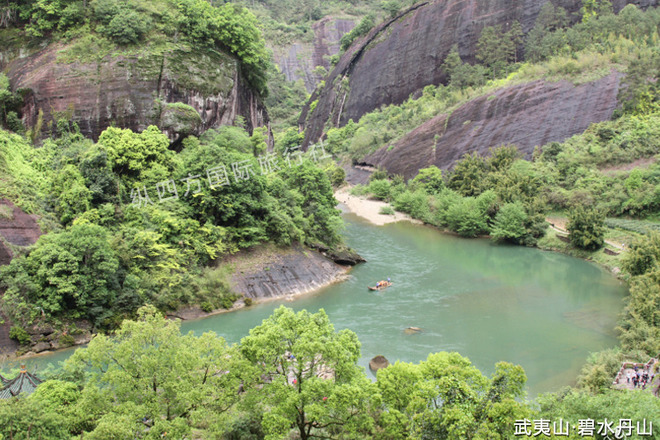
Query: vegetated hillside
[
  {"x": 121, "y": 63},
  {"x": 401, "y": 56},
  {"x": 127, "y": 221},
  {"x": 525, "y": 115}
]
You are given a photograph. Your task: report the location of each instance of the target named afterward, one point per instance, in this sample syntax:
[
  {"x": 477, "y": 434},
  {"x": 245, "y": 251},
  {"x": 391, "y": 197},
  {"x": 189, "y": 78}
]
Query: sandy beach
[{"x": 369, "y": 209}]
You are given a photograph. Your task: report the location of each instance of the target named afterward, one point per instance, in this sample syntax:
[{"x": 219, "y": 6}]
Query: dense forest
[{"x": 134, "y": 227}]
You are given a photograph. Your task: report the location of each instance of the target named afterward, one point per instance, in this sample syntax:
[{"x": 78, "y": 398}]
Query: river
[{"x": 542, "y": 310}]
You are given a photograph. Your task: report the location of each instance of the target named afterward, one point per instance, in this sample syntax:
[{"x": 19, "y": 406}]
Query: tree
[
  {"x": 150, "y": 376},
  {"x": 642, "y": 86},
  {"x": 139, "y": 158},
  {"x": 430, "y": 180},
  {"x": 468, "y": 175},
  {"x": 313, "y": 382},
  {"x": 70, "y": 273},
  {"x": 515, "y": 35},
  {"x": 447, "y": 397},
  {"x": 643, "y": 255},
  {"x": 510, "y": 223},
  {"x": 586, "y": 228}
]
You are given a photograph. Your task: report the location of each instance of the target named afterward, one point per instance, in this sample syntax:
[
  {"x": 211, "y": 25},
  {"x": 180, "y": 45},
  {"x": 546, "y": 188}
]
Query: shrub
[
  {"x": 19, "y": 335},
  {"x": 510, "y": 223},
  {"x": 586, "y": 228},
  {"x": 67, "y": 341},
  {"x": 248, "y": 301},
  {"x": 126, "y": 27},
  {"x": 380, "y": 189},
  {"x": 206, "y": 306},
  {"x": 386, "y": 210}
]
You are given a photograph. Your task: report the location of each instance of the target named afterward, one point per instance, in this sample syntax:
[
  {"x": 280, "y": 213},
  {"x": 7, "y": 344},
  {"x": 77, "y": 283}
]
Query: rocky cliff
[
  {"x": 403, "y": 55},
  {"x": 298, "y": 60},
  {"x": 132, "y": 90},
  {"x": 525, "y": 115}
]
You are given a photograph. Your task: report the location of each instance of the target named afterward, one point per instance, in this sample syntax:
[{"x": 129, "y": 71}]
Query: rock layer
[
  {"x": 130, "y": 91},
  {"x": 277, "y": 273},
  {"x": 525, "y": 115},
  {"x": 402, "y": 56}
]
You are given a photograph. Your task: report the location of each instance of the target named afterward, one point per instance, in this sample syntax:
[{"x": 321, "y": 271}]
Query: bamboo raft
[{"x": 385, "y": 285}]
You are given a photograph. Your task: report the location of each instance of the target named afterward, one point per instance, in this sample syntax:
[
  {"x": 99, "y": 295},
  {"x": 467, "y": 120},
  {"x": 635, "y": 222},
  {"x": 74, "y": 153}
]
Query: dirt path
[{"x": 559, "y": 225}]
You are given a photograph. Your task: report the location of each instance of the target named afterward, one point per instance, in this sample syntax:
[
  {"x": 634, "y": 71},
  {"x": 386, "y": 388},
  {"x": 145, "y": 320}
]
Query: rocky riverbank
[{"x": 267, "y": 272}]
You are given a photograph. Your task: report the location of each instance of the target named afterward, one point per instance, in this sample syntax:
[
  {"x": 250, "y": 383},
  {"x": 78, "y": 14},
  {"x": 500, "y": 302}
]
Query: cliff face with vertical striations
[
  {"x": 131, "y": 91},
  {"x": 403, "y": 55},
  {"x": 298, "y": 60},
  {"x": 525, "y": 115}
]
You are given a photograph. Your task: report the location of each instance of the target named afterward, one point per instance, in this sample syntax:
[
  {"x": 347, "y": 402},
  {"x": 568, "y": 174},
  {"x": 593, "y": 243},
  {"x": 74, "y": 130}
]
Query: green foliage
[
  {"x": 386, "y": 210},
  {"x": 297, "y": 394},
  {"x": 392, "y": 7},
  {"x": 126, "y": 26},
  {"x": 473, "y": 406},
  {"x": 586, "y": 228},
  {"x": 70, "y": 273},
  {"x": 361, "y": 29},
  {"x": 429, "y": 179},
  {"x": 19, "y": 335},
  {"x": 468, "y": 175},
  {"x": 138, "y": 157},
  {"x": 414, "y": 203},
  {"x": 572, "y": 405},
  {"x": 462, "y": 75},
  {"x": 10, "y": 103},
  {"x": 150, "y": 371},
  {"x": 380, "y": 189},
  {"x": 510, "y": 223},
  {"x": 643, "y": 255}
]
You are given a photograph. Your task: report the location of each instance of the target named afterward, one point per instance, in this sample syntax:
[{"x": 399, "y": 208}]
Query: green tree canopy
[
  {"x": 151, "y": 376},
  {"x": 314, "y": 384},
  {"x": 72, "y": 273},
  {"x": 586, "y": 228}
]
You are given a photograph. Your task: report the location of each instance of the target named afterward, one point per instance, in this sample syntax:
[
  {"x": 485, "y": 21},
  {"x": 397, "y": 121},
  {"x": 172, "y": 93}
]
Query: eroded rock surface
[
  {"x": 277, "y": 273},
  {"x": 299, "y": 60},
  {"x": 402, "y": 56},
  {"x": 130, "y": 91},
  {"x": 525, "y": 115}
]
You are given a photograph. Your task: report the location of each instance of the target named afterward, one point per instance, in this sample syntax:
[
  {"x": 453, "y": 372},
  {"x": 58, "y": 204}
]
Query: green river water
[{"x": 542, "y": 310}]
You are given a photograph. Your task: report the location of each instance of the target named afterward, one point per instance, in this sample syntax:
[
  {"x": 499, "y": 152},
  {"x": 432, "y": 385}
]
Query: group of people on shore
[{"x": 640, "y": 377}]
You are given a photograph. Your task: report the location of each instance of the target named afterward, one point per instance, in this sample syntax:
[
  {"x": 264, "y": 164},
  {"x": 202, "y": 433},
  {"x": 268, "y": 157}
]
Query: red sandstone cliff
[
  {"x": 403, "y": 55},
  {"x": 128, "y": 91},
  {"x": 299, "y": 59},
  {"x": 526, "y": 115}
]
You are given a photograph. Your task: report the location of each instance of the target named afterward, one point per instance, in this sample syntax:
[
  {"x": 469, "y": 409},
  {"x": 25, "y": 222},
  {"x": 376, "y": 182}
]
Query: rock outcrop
[
  {"x": 378, "y": 362},
  {"x": 403, "y": 55},
  {"x": 525, "y": 115},
  {"x": 273, "y": 273},
  {"x": 298, "y": 60},
  {"x": 131, "y": 91}
]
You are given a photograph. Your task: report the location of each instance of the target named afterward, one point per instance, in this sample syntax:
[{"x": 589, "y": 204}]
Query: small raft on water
[{"x": 382, "y": 285}]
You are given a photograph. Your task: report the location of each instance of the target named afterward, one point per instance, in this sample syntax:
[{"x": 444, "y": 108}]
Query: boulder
[
  {"x": 41, "y": 346},
  {"x": 345, "y": 257},
  {"x": 378, "y": 362}
]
